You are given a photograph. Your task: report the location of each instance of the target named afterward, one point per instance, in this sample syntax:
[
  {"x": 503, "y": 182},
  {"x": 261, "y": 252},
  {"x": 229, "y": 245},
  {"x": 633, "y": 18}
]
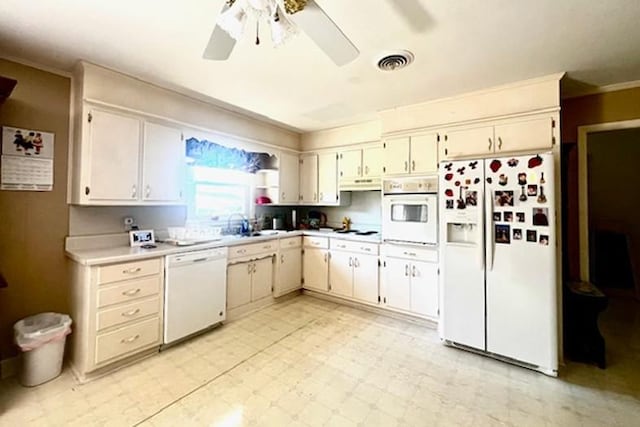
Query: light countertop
[{"x": 121, "y": 253}]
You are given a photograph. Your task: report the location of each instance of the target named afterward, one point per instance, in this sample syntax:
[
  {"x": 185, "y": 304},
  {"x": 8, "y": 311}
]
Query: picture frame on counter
[{"x": 139, "y": 238}]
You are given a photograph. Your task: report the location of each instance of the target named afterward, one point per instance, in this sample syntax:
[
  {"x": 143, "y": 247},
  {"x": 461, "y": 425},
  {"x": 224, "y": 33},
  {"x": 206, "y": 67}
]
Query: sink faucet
[{"x": 242, "y": 217}]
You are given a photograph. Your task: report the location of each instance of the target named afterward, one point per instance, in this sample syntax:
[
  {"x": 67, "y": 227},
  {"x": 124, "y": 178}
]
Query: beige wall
[
  {"x": 587, "y": 110},
  {"x": 33, "y": 224}
]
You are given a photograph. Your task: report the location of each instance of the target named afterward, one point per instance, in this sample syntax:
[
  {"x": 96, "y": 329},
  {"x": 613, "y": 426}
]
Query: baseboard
[{"x": 9, "y": 367}]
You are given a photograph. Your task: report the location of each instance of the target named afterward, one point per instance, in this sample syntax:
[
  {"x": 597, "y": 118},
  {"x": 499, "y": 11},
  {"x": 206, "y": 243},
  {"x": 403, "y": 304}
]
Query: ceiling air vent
[{"x": 395, "y": 60}]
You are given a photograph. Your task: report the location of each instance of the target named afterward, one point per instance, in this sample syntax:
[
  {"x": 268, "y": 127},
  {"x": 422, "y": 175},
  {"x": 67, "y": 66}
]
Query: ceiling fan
[{"x": 283, "y": 18}]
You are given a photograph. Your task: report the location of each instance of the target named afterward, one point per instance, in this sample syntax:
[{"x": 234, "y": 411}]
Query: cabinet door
[
  {"x": 469, "y": 142},
  {"x": 424, "y": 288},
  {"x": 309, "y": 179},
  {"x": 315, "y": 269},
  {"x": 289, "y": 178},
  {"x": 238, "y": 284},
  {"x": 365, "y": 278},
  {"x": 262, "y": 280},
  {"x": 525, "y": 135},
  {"x": 341, "y": 273},
  {"x": 372, "y": 162},
  {"x": 163, "y": 163},
  {"x": 397, "y": 284},
  {"x": 424, "y": 154},
  {"x": 350, "y": 164},
  {"x": 396, "y": 156},
  {"x": 328, "y": 178},
  {"x": 289, "y": 271},
  {"x": 114, "y": 155}
]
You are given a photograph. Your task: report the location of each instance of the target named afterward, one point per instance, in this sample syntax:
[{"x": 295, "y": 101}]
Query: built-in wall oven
[{"x": 410, "y": 210}]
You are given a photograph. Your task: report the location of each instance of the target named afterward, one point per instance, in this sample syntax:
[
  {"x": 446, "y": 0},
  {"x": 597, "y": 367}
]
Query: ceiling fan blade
[
  {"x": 325, "y": 33},
  {"x": 220, "y": 43}
]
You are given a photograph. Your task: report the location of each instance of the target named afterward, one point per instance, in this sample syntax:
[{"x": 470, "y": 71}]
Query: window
[{"x": 218, "y": 192}]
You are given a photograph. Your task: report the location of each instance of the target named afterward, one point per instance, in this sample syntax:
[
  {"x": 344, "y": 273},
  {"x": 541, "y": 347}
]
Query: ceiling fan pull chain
[{"x": 258, "y": 31}]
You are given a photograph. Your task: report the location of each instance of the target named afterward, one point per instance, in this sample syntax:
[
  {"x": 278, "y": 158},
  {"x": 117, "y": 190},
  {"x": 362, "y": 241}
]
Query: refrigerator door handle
[
  {"x": 481, "y": 230},
  {"x": 491, "y": 238}
]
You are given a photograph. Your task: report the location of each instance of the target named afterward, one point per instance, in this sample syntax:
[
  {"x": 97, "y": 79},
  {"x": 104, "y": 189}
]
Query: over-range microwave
[{"x": 410, "y": 210}]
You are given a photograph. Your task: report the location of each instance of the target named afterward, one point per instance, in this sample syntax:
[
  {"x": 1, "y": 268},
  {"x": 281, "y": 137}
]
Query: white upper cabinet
[
  {"x": 416, "y": 154},
  {"x": 507, "y": 136},
  {"x": 113, "y": 146},
  {"x": 360, "y": 168},
  {"x": 328, "y": 178},
  {"x": 163, "y": 164},
  {"x": 350, "y": 164},
  {"x": 525, "y": 135},
  {"x": 309, "y": 179},
  {"x": 121, "y": 159},
  {"x": 289, "y": 177}
]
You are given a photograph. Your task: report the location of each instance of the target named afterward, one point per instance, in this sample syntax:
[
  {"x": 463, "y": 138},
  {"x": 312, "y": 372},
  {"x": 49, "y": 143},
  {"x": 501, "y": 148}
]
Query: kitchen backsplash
[
  {"x": 89, "y": 220},
  {"x": 365, "y": 211}
]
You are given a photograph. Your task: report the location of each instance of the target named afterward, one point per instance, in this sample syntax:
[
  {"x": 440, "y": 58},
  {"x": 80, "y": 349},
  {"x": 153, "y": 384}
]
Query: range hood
[
  {"x": 360, "y": 184},
  {"x": 6, "y": 87}
]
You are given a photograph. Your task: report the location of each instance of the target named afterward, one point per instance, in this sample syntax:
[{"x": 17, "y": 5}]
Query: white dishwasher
[{"x": 195, "y": 292}]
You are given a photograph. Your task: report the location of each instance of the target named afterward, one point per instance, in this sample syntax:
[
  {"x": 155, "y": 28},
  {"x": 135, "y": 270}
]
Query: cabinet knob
[
  {"x": 325, "y": 257},
  {"x": 350, "y": 262},
  {"x": 321, "y": 196},
  {"x": 490, "y": 143},
  {"x": 366, "y": 170},
  {"x": 413, "y": 271},
  {"x": 499, "y": 143},
  {"x": 131, "y": 292},
  {"x": 413, "y": 165},
  {"x": 133, "y": 192},
  {"x": 131, "y": 312},
  {"x": 406, "y": 165},
  {"x": 406, "y": 269},
  {"x": 283, "y": 195},
  {"x": 359, "y": 170},
  {"x": 281, "y": 259},
  {"x": 147, "y": 191},
  {"x": 130, "y": 339}
]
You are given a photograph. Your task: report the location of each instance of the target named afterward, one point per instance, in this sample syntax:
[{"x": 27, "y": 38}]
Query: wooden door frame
[{"x": 583, "y": 185}]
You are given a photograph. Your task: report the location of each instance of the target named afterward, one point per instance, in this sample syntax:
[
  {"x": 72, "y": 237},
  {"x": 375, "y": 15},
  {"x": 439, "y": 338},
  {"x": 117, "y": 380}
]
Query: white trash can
[{"x": 41, "y": 338}]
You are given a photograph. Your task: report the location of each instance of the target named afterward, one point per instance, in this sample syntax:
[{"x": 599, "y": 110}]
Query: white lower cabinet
[
  {"x": 288, "y": 266},
  {"x": 411, "y": 286},
  {"x": 353, "y": 270},
  {"x": 117, "y": 313},
  {"x": 249, "y": 281},
  {"x": 315, "y": 263}
]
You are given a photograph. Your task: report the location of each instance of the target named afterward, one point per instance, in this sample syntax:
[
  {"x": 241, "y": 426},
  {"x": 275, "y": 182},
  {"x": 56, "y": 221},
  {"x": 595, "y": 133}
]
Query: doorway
[{"x": 609, "y": 181}]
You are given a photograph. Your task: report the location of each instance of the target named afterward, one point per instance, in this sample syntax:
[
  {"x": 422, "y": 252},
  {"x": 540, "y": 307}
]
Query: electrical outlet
[{"x": 129, "y": 223}]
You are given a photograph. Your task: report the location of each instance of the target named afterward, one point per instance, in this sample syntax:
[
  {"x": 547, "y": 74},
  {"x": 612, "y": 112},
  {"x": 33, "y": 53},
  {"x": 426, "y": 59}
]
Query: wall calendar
[{"x": 27, "y": 160}]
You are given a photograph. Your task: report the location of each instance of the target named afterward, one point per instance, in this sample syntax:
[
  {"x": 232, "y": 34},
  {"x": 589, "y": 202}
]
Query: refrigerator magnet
[
  {"x": 503, "y": 198},
  {"x": 457, "y": 183},
  {"x": 471, "y": 197},
  {"x": 467, "y": 181},
  {"x": 477, "y": 180},
  {"x": 535, "y": 161},
  {"x": 503, "y": 179},
  {"x": 541, "y": 217},
  {"x": 448, "y": 176},
  {"x": 513, "y": 163},
  {"x": 522, "y": 178},
  {"x": 461, "y": 170},
  {"x": 448, "y": 192},
  {"x": 497, "y": 216},
  {"x": 517, "y": 234},
  {"x": 541, "y": 197},
  {"x": 448, "y": 167},
  {"x": 532, "y": 236},
  {"x": 520, "y": 216},
  {"x": 532, "y": 190},
  {"x": 508, "y": 216},
  {"x": 495, "y": 165},
  {"x": 449, "y": 204},
  {"x": 489, "y": 180},
  {"x": 523, "y": 195},
  {"x": 542, "y": 180},
  {"x": 503, "y": 233},
  {"x": 544, "y": 240},
  {"x": 473, "y": 164}
]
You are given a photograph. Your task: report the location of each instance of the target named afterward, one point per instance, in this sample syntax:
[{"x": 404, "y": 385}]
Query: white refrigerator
[{"x": 498, "y": 258}]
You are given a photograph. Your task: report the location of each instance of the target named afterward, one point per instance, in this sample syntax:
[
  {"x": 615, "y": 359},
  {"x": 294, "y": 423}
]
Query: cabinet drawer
[
  {"x": 315, "y": 242},
  {"x": 128, "y": 270},
  {"x": 291, "y": 242},
  {"x": 126, "y": 313},
  {"x": 253, "y": 249},
  {"x": 127, "y": 291},
  {"x": 409, "y": 252},
  {"x": 353, "y": 246},
  {"x": 126, "y": 340}
]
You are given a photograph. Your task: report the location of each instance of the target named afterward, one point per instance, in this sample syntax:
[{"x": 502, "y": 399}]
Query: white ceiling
[{"x": 460, "y": 45}]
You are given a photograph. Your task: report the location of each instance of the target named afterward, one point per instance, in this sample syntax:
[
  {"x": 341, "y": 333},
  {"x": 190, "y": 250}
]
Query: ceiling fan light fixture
[
  {"x": 393, "y": 61},
  {"x": 282, "y": 29},
  {"x": 233, "y": 20}
]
